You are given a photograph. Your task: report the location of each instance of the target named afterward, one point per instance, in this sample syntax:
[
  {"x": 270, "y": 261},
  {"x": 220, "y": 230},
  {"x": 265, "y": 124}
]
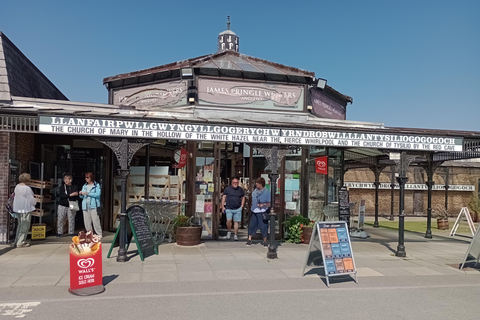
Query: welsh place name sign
[
  {"x": 227, "y": 133},
  {"x": 409, "y": 186},
  {"x": 240, "y": 94}
]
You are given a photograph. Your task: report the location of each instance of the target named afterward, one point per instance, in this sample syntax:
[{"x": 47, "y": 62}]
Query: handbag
[{"x": 72, "y": 205}]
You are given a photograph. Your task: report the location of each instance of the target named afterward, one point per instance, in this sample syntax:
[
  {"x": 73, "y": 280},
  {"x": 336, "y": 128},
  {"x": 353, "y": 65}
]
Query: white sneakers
[{"x": 229, "y": 235}]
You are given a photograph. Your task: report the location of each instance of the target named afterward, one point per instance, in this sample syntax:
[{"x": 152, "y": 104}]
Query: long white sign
[
  {"x": 269, "y": 135},
  {"x": 409, "y": 186}
]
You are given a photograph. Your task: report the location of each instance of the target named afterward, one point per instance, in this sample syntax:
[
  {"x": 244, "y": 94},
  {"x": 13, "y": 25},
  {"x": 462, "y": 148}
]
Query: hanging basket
[{"x": 189, "y": 236}]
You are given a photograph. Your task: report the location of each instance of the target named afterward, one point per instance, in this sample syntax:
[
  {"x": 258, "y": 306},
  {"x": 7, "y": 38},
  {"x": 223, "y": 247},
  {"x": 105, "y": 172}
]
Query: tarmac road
[{"x": 453, "y": 297}]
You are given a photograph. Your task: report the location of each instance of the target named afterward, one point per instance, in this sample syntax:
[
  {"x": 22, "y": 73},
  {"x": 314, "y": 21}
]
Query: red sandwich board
[{"x": 86, "y": 276}]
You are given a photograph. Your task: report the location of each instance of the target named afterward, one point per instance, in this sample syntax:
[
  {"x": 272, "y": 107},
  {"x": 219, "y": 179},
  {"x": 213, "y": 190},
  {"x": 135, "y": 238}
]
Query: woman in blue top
[
  {"x": 260, "y": 205},
  {"x": 91, "y": 201}
]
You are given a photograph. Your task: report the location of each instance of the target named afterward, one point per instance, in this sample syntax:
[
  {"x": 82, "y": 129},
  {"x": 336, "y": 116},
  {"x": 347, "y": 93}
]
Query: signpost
[
  {"x": 463, "y": 211},
  {"x": 331, "y": 239},
  {"x": 138, "y": 228}
]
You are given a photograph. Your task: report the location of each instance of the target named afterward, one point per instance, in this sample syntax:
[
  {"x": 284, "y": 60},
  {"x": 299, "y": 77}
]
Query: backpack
[{"x": 9, "y": 205}]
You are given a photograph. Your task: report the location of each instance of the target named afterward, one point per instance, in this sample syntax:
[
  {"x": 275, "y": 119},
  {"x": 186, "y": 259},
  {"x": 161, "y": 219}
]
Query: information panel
[{"x": 333, "y": 240}]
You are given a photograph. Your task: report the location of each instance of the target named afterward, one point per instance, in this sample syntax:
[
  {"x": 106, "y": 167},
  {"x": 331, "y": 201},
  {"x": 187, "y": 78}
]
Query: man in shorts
[{"x": 233, "y": 200}]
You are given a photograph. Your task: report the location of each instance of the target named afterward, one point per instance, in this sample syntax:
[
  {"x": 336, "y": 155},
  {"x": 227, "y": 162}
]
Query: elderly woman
[
  {"x": 67, "y": 192},
  {"x": 23, "y": 204},
  {"x": 260, "y": 205},
  {"x": 91, "y": 201}
]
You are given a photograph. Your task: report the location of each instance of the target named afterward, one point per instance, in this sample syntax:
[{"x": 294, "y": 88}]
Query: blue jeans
[{"x": 256, "y": 221}]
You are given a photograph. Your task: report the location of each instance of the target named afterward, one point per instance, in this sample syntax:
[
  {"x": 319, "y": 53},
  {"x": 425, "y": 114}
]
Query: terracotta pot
[
  {"x": 442, "y": 224},
  {"x": 306, "y": 234}
]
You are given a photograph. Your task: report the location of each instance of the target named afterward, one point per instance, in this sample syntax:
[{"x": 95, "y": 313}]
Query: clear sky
[{"x": 405, "y": 63}]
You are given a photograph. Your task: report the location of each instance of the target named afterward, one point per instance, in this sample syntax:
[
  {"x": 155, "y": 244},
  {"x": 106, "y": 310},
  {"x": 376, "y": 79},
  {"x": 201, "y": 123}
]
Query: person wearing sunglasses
[{"x": 91, "y": 202}]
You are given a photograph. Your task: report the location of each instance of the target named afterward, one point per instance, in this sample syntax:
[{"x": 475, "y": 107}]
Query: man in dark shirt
[{"x": 233, "y": 200}]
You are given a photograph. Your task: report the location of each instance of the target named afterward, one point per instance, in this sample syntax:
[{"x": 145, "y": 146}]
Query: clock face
[{"x": 176, "y": 155}]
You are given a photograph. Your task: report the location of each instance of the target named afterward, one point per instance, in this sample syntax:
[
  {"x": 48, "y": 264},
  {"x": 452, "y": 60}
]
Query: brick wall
[
  {"x": 25, "y": 150},
  {"x": 415, "y": 201}
]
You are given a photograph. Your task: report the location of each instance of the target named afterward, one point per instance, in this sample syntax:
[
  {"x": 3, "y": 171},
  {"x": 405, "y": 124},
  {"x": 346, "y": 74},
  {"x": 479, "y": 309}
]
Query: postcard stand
[{"x": 332, "y": 240}]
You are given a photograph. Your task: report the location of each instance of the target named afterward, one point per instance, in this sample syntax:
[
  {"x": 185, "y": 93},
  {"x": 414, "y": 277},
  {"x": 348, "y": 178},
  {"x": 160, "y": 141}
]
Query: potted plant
[
  {"x": 294, "y": 228},
  {"x": 186, "y": 232},
  {"x": 474, "y": 206},
  {"x": 442, "y": 217}
]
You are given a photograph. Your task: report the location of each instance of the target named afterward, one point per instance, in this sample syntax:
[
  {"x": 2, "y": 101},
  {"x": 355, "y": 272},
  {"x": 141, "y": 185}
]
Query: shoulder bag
[{"x": 72, "y": 205}]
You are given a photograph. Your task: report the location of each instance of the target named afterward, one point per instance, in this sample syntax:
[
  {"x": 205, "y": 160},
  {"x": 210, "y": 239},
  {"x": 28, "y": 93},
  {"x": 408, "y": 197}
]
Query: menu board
[
  {"x": 333, "y": 240},
  {"x": 138, "y": 228},
  {"x": 336, "y": 248},
  {"x": 344, "y": 206}
]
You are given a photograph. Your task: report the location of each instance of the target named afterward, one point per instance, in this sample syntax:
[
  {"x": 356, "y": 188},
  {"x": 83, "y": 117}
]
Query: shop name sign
[
  {"x": 152, "y": 96},
  {"x": 409, "y": 186},
  {"x": 227, "y": 133},
  {"x": 250, "y": 95}
]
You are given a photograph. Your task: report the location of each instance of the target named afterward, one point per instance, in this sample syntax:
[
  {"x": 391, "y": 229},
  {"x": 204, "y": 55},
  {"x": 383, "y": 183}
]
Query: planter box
[
  {"x": 189, "y": 236},
  {"x": 307, "y": 234}
]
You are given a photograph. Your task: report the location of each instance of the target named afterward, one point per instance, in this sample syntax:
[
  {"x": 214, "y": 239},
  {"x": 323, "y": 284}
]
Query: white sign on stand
[
  {"x": 463, "y": 211},
  {"x": 332, "y": 241}
]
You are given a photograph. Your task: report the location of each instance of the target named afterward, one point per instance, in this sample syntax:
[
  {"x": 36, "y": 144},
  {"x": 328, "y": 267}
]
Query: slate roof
[{"x": 20, "y": 77}]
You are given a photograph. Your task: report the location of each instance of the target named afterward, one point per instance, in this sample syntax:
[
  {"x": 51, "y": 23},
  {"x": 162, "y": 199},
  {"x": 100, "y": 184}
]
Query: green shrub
[{"x": 294, "y": 227}]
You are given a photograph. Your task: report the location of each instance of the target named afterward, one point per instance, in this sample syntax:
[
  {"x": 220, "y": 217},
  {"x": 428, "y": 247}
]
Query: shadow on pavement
[{"x": 108, "y": 279}]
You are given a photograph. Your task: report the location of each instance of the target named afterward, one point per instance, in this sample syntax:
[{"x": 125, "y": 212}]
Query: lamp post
[
  {"x": 402, "y": 180},
  {"x": 122, "y": 252},
  {"x": 274, "y": 156},
  {"x": 124, "y": 149},
  {"x": 272, "y": 252}
]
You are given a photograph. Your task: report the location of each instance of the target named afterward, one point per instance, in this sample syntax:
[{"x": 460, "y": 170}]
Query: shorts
[{"x": 236, "y": 214}]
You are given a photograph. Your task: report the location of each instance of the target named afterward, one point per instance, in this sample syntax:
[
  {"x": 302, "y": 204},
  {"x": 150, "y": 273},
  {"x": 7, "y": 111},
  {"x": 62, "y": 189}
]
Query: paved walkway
[{"x": 46, "y": 263}]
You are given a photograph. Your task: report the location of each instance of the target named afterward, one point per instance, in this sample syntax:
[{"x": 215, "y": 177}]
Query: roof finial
[{"x": 228, "y": 22}]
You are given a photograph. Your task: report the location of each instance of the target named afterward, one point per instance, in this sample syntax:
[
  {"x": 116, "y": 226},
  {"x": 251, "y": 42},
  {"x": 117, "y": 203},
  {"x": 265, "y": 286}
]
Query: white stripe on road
[{"x": 18, "y": 310}]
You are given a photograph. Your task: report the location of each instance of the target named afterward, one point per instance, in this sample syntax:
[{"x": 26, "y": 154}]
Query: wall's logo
[
  {"x": 85, "y": 263},
  {"x": 321, "y": 163}
]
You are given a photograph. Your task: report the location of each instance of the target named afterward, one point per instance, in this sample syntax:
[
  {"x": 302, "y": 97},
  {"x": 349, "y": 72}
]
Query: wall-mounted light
[
  {"x": 309, "y": 107},
  {"x": 187, "y": 73},
  {"x": 321, "y": 83},
  {"x": 192, "y": 94}
]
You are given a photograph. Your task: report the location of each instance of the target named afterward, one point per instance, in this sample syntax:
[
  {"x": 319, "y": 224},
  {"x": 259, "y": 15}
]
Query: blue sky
[{"x": 406, "y": 64}]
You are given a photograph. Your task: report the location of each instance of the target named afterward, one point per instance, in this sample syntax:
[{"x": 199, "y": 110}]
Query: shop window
[{"x": 204, "y": 189}]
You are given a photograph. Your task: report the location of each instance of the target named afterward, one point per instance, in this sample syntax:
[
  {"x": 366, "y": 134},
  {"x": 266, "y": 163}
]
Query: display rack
[{"x": 39, "y": 187}]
